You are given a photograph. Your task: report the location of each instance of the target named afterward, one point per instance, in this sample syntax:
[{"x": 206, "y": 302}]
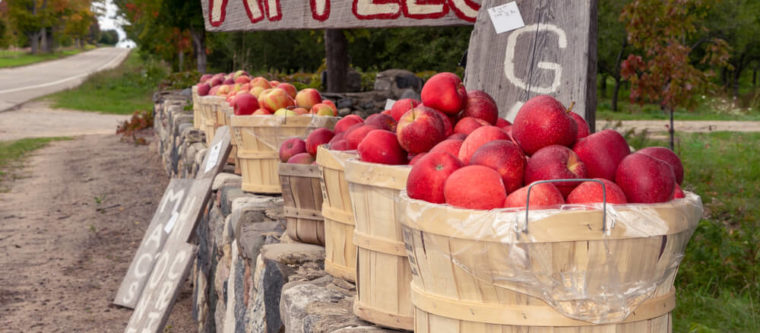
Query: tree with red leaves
[{"x": 662, "y": 70}]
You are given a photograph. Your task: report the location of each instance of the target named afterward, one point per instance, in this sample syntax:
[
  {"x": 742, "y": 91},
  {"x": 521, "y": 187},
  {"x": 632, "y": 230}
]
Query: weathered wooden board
[
  {"x": 167, "y": 214},
  {"x": 172, "y": 267},
  {"x": 554, "y": 54},
  {"x": 230, "y": 15},
  {"x": 216, "y": 155}
]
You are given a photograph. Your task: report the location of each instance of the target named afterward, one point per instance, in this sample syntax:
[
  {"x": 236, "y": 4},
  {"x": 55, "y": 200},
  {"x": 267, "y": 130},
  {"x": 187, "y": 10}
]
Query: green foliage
[
  {"x": 122, "y": 90},
  {"x": 698, "y": 312},
  {"x": 108, "y": 37},
  {"x": 22, "y": 58}
]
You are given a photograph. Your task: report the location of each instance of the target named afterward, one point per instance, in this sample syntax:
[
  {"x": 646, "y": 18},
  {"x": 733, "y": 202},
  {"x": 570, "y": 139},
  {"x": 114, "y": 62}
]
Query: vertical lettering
[
  {"x": 376, "y": 9},
  {"x": 158, "y": 271},
  {"x": 274, "y": 13},
  {"x": 217, "y": 10},
  {"x": 465, "y": 9},
  {"x": 253, "y": 10},
  {"x": 320, "y": 10},
  {"x": 152, "y": 316},
  {"x": 425, "y": 9},
  {"x": 509, "y": 65}
]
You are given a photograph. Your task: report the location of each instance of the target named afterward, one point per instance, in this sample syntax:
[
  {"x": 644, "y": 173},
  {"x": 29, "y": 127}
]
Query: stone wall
[{"x": 248, "y": 275}]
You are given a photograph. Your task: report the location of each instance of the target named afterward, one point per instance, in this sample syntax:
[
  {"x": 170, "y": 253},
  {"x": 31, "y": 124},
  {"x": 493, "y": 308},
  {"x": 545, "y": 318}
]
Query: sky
[{"x": 110, "y": 21}]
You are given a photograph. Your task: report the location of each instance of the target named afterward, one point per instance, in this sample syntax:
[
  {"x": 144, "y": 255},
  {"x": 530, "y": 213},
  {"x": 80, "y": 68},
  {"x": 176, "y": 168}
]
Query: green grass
[
  {"x": 13, "y": 152},
  {"x": 719, "y": 279},
  {"x": 12, "y": 58},
  {"x": 122, "y": 90}
]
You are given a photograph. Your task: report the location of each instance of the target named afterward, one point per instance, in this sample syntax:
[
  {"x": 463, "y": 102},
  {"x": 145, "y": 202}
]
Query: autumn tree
[
  {"x": 612, "y": 41},
  {"x": 662, "y": 69}
]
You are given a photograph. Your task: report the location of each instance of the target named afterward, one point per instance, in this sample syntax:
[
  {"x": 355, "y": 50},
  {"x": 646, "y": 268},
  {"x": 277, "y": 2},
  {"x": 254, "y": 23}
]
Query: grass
[
  {"x": 122, "y": 90},
  {"x": 15, "y": 58},
  {"x": 13, "y": 152},
  {"x": 719, "y": 279}
]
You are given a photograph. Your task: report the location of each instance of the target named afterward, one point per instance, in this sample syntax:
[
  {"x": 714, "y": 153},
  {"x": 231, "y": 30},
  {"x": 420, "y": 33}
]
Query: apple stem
[{"x": 570, "y": 108}]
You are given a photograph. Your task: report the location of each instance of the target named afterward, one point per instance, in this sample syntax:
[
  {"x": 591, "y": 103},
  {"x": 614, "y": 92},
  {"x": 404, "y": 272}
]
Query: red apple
[
  {"x": 381, "y": 146},
  {"x": 506, "y": 158},
  {"x": 502, "y": 123},
  {"x": 275, "y": 99},
  {"x": 331, "y": 104},
  {"x": 448, "y": 129},
  {"x": 344, "y": 123},
  {"x": 555, "y": 162},
  {"x": 260, "y": 82},
  {"x": 601, "y": 152},
  {"x": 645, "y": 179},
  {"x": 444, "y": 92},
  {"x": 468, "y": 124},
  {"x": 356, "y": 134},
  {"x": 481, "y": 105},
  {"x": 583, "y": 130},
  {"x": 340, "y": 145},
  {"x": 261, "y": 112},
  {"x": 242, "y": 79},
  {"x": 229, "y": 81},
  {"x": 678, "y": 193},
  {"x": 542, "y": 196},
  {"x": 274, "y": 83},
  {"x": 413, "y": 159},
  {"x": 592, "y": 192},
  {"x": 402, "y": 106},
  {"x": 301, "y": 158},
  {"x": 543, "y": 121},
  {"x": 477, "y": 138},
  {"x": 450, "y": 146},
  {"x": 203, "y": 89},
  {"x": 429, "y": 174},
  {"x": 419, "y": 130},
  {"x": 457, "y": 136},
  {"x": 322, "y": 110},
  {"x": 245, "y": 104},
  {"x": 317, "y": 137},
  {"x": 204, "y": 78},
  {"x": 300, "y": 111},
  {"x": 291, "y": 147},
  {"x": 382, "y": 121},
  {"x": 667, "y": 156},
  {"x": 474, "y": 187},
  {"x": 306, "y": 98},
  {"x": 289, "y": 88}
]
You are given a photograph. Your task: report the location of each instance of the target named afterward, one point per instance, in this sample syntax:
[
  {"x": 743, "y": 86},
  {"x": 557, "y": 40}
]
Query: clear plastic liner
[
  {"x": 560, "y": 256},
  {"x": 334, "y": 159}
]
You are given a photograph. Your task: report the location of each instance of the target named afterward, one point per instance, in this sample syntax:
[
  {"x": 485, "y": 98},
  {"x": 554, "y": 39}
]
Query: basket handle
[{"x": 604, "y": 198}]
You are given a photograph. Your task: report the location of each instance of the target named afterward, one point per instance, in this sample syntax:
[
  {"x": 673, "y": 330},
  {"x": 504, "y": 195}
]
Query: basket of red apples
[
  {"x": 300, "y": 178},
  {"x": 264, "y": 117},
  {"x": 539, "y": 224}
]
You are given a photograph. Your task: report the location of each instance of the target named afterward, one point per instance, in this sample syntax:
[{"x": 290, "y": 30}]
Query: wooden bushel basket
[
  {"x": 340, "y": 251},
  {"x": 223, "y": 119},
  {"x": 258, "y": 141},
  {"x": 463, "y": 268},
  {"x": 209, "y": 107},
  {"x": 197, "y": 120},
  {"x": 382, "y": 270},
  {"x": 302, "y": 196}
]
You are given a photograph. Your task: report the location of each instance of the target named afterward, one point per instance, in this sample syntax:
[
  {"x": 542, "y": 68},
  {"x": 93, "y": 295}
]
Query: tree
[
  {"x": 612, "y": 41},
  {"x": 661, "y": 69},
  {"x": 108, "y": 37},
  {"x": 187, "y": 15}
]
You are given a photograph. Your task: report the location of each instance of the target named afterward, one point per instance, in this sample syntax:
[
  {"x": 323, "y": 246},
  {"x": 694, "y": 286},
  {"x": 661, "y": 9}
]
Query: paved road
[{"x": 21, "y": 84}]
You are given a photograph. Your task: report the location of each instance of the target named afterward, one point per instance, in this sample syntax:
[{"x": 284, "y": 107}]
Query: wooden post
[
  {"x": 336, "y": 53},
  {"x": 554, "y": 54}
]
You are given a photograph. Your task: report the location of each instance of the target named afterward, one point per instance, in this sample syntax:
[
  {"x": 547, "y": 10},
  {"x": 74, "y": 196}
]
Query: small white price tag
[
  {"x": 170, "y": 224},
  {"x": 506, "y": 17},
  {"x": 213, "y": 156},
  {"x": 389, "y": 103}
]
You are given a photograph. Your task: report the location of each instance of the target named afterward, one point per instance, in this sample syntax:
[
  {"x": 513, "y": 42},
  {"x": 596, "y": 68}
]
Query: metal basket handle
[{"x": 604, "y": 198}]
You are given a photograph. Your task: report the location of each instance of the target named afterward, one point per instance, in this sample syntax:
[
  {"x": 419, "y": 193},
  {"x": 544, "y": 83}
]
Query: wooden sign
[
  {"x": 172, "y": 267},
  {"x": 176, "y": 216},
  {"x": 166, "y": 215},
  {"x": 553, "y": 52},
  {"x": 230, "y": 15}
]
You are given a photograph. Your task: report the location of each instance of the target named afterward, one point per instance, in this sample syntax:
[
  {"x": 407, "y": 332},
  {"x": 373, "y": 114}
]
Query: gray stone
[
  {"x": 309, "y": 307},
  {"x": 234, "y": 317},
  {"x": 252, "y": 208},
  {"x": 353, "y": 81},
  {"x": 228, "y": 195},
  {"x": 410, "y": 93},
  {"x": 293, "y": 253},
  {"x": 223, "y": 178},
  {"x": 344, "y": 103},
  {"x": 395, "y": 81},
  {"x": 344, "y": 112}
]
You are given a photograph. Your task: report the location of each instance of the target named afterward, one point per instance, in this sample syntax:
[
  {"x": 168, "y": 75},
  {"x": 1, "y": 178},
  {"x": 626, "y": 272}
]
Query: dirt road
[
  {"x": 68, "y": 232},
  {"x": 37, "y": 119}
]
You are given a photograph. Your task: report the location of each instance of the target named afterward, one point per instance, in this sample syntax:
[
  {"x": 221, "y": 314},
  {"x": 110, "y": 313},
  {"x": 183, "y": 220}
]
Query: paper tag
[
  {"x": 506, "y": 17},
  {"x": 170, "y": 225},
  {"x": 213, "y": 156},
  {"x": 389, "y": 103}
]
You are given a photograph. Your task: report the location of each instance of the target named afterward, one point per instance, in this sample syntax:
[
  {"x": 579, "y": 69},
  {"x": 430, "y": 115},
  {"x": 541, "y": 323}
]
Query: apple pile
[
  {"x": 259, "y": 96},
  {"x": 484, "y": 162},
  {"x": 295, "y": 150}
]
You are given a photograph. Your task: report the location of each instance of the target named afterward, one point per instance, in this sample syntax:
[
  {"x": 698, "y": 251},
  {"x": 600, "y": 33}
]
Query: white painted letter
[{"x": 509, "y": 65}]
